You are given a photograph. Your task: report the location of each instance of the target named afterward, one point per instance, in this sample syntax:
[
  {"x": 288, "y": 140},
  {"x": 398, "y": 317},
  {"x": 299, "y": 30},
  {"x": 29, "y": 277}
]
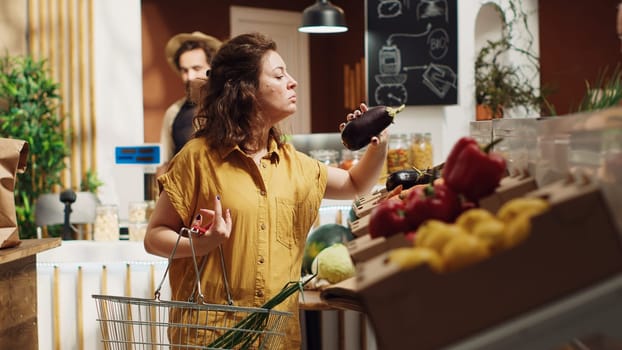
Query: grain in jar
[
  {"x": 398, "y": 155},
  {"x": 421, "y": 150},
  {"x": 137, "y": 212},
  {"x": 106, "y": 226}
]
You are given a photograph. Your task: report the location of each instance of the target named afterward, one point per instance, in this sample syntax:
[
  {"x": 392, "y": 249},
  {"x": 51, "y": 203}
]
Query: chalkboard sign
[{"x": 412, "y": 52}]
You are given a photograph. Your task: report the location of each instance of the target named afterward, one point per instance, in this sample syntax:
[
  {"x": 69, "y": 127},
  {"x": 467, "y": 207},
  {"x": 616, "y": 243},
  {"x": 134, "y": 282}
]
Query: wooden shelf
[{"x": 28, "y": 247}]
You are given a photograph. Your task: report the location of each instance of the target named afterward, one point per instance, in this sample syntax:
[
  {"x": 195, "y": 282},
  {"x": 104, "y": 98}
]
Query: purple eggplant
[{"x": 358, "y": 132}]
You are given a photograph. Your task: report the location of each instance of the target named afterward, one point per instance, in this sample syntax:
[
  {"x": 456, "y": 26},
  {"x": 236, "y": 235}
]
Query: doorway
[{"x": 293, "y": 46}]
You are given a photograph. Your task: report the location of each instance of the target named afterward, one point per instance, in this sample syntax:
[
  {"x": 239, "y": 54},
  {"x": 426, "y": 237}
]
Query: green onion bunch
[{"x": 248, "y": 330}]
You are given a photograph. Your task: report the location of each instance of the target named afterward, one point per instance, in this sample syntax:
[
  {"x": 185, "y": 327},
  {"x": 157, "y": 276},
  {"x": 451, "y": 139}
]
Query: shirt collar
[{"x": 273, "y": 151}]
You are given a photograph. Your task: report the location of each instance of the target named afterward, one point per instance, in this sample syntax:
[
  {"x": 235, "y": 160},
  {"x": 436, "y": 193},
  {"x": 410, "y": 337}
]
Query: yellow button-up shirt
[{"x": 273, "y": 207}]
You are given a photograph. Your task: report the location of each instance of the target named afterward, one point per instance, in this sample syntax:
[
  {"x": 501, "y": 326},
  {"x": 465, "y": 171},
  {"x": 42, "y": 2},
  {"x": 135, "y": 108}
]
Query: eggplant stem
[{"x": 394, "y": 110}]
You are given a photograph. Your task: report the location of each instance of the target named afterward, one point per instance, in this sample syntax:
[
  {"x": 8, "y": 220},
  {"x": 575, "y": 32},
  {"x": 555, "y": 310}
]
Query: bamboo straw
[
  {"x": 362, "y": 87},
  {"x": 41, "y": 29},
  {"x": 72, "y": 79},
  {"x": 82, "y": 91},
  {"x": 31, "y": 26},
  {"x": 93, "y": 115},
  {"x": 347, "y": 97},
  {"x": 52, "y": 39},
  {"x": 104, "y": 306},
  {"x": 128, "y": 292},
  {"x": 80, "y": 308}
]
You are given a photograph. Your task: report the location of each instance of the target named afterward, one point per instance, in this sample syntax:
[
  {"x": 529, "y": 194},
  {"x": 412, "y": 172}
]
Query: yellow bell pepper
[
  {"x": 470, "y": 218},
  {"x": 518, "y": 229},
  {"x": 434, "y": 234},
  {"x": 493, "y": 232},
  {"x": 523, "y": 205}
]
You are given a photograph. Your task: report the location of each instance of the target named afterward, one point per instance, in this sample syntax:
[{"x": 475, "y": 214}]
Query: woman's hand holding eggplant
[{"x": 376, "y": 140}]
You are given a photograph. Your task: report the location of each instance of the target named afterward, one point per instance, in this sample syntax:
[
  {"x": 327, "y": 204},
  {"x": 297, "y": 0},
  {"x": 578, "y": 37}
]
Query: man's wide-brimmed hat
[{"x": 175, "y": 42}]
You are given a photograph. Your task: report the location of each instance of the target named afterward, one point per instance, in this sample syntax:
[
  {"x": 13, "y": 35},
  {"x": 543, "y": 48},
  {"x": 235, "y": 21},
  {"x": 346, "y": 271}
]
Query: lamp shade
[{"x": 323, "y": 17}]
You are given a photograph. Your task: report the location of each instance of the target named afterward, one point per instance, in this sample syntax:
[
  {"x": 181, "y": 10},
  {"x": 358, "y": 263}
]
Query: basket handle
[
  {"x": 183, "y": 232},
  {"x": 189, "y": 232}
]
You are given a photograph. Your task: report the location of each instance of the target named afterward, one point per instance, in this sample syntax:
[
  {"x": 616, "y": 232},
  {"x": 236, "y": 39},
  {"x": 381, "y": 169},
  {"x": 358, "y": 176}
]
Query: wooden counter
[
  {"x": 311, "y": 300},
  {"x": 18, "y": 293}
]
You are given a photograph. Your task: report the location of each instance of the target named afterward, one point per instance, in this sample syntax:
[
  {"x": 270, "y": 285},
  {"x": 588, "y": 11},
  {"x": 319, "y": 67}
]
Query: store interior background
[
  {"x": 126, "y": 85},
  {"x": 132, "y": 85}
]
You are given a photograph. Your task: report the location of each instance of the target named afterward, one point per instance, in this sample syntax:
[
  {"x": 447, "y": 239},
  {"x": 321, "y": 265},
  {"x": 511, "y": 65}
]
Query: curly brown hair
[{"x": 228, "y": 112}]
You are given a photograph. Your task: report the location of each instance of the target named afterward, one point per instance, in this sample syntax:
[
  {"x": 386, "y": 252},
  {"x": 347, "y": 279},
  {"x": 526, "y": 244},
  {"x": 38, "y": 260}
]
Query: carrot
[
  {"x": 358, "y": 132},
  {"x": 394, "y": 192},
  {"x": 404, "y": 194}
]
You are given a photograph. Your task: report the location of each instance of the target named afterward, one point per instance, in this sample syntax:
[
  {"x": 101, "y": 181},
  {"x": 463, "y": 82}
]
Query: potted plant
[
  {"x": 501, "y": 84},
  {"x": 29, "y": 104}
]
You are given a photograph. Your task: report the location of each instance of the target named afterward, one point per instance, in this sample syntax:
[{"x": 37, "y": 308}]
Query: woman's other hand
[{"x": 216, "y": 223}]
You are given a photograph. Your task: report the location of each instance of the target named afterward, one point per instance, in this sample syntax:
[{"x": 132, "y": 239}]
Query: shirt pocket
[
  {"x": 292, "y": 222},
  {"x": 285, "y": 222}
]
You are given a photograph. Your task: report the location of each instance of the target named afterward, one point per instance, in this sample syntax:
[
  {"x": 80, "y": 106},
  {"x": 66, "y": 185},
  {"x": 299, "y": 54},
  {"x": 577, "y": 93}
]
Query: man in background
[{"x": 189, "y": 55}]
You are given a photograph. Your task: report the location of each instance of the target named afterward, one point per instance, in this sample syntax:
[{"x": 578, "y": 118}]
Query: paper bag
[{"x": 13, "y": 159}]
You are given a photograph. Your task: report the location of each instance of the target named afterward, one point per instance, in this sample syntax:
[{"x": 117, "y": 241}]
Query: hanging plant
[
  {"x": 501, "y": 84},
  {"x": 29, "y": 104}
]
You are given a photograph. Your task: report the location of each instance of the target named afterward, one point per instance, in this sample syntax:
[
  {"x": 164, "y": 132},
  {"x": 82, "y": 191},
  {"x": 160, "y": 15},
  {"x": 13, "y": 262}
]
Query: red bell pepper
[
  {"x": 472, "y": 171},
  {"x": 387, "y": 219},
  {"x": 435, "y": 201}
]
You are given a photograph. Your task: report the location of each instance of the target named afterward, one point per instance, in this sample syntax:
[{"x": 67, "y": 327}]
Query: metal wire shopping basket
[{"x": 138, "y": 323}]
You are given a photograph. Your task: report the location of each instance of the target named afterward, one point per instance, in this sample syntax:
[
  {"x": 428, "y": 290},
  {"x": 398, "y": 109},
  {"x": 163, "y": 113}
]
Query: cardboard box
[
  {"x": 572, "y": 246},
  {"x": 364, "y": 248}
]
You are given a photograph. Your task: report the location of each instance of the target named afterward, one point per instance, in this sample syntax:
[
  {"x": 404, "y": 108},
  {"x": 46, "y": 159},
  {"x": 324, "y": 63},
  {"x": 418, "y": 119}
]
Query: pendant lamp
[{"x": 323, "y": 17}]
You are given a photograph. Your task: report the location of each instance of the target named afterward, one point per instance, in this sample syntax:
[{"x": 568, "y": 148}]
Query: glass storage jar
[
  {"x": 326, "y": 156},
  {"x": 106, "y": 226},
  {"x": 349, "y": 158},
  {"x": 421, "y": 150},
  {"x": 137, "y": 212},
  {"x": 398, "y": 154},
  {"x": 136, "y": 231}
]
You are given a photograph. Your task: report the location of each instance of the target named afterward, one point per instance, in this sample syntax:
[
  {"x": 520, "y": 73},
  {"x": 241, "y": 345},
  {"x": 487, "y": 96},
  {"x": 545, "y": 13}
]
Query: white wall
[
  {"x": 448, "y": 123},
  {"x": 119, "y": 98}
]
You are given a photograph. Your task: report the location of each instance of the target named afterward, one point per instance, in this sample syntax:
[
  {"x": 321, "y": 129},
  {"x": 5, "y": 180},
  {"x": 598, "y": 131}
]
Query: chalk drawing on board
[
  {"x": 438, "y": 43},
  {"x": 391, "y": 90},
  {"x": 409, "y": 35},
  {"x": 412, "y": 52},
  {"x": 389, "y": 8},
  {"x": 391, "y": 95},
  {"x": 432, "y": 8},
  {"x": 439, "y": 78}
]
